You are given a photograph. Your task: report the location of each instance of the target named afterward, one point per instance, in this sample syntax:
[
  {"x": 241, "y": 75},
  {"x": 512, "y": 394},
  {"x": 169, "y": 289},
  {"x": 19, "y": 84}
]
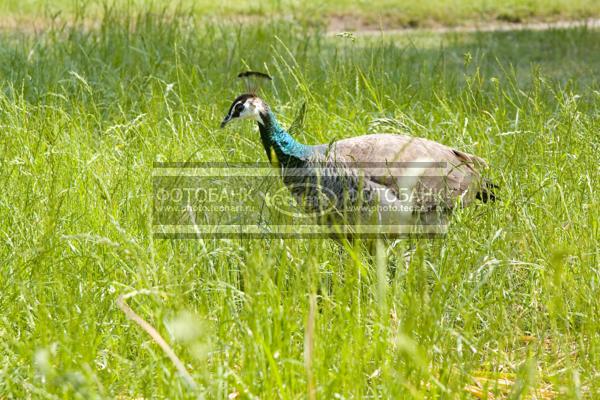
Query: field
[
  {"x": 505, "y": 306},
  {"x": 346, "y": 14}
]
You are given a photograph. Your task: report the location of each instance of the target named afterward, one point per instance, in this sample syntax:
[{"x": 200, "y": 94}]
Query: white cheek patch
[
  {"x": 259, "y": 119},
  {"x": 252, "y": 111},
  {"x": 246, "y": 114},
  {"x": 259, "y": 109}
]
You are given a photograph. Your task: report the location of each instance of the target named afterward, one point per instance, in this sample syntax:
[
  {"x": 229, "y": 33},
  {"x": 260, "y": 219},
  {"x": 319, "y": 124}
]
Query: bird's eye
[{"x": 239, "y": 107}]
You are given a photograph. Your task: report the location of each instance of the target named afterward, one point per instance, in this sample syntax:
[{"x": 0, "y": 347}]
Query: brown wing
[{"x": 401, "y": 162}]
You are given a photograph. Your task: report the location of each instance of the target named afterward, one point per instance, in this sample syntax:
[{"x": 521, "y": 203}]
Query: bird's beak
[{"x": 225, "y": 121}]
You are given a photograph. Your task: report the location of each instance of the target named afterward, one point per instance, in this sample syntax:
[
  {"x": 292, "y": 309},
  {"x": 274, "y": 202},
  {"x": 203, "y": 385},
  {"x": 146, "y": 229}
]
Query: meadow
[
  {"x": 505, "y": 306},
  {"x": 347, "y": 14}
]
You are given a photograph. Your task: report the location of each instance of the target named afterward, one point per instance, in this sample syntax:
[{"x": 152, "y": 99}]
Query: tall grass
[{"x": 510, "y": 293}]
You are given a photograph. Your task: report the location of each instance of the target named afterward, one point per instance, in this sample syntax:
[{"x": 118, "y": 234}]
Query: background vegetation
[
  {"x": 348, "y": 14},
  {"x": 506, "y": 305}
]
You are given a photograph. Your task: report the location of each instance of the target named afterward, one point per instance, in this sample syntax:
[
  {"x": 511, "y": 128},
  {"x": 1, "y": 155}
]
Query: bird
[{"x": 391, "y": 181}]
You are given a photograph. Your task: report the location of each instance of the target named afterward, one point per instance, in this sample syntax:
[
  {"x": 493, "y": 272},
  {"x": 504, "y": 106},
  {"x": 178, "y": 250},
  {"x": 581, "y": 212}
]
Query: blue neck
[{"x": 279, "y": 143}]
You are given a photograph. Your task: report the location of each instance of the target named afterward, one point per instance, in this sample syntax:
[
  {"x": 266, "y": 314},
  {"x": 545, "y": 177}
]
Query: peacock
[{"x": 411, "y": 181}]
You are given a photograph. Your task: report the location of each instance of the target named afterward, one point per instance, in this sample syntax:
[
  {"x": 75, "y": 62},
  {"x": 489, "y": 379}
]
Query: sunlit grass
[
  {"x": 340, "y": 13},
  {"x": 506, "y": 304}
]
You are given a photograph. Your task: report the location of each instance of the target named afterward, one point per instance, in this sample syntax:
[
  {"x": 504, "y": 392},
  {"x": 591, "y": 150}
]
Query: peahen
[{"x": 371, "y": 169}]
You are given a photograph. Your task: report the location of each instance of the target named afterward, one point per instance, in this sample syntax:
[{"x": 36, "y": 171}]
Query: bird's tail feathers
[{"x": 487, "y": 191}]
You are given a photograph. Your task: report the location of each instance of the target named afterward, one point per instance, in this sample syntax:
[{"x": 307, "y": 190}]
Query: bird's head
[{"x": 246, "y": 106}]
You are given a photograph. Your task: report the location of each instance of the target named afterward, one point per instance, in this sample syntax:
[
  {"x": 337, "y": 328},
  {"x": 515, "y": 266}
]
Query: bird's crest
[{"x": 253, "y": 80}]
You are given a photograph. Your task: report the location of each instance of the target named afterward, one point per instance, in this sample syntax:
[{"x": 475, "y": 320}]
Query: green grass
[
  {"x": 341, "y": 14},
  {"x": 511, "y": 292}
]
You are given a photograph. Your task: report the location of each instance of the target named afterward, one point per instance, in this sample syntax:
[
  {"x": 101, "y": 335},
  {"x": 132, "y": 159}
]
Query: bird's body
[{"x": 413, "y": 178}]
